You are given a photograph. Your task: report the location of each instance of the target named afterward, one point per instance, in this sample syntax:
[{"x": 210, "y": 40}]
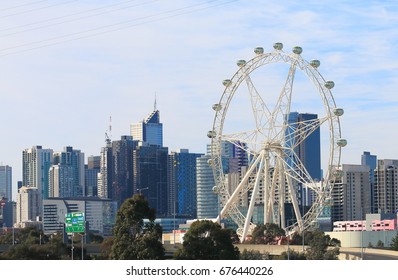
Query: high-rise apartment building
[
  {"x": 150, "y": 130},
  {"x": 91, "y": 170},
  {"x": 27, "y": 205},
  {"x": 207, "y": 203},
  {"x": 386, "y": 186},
  {"x": 104, "y": 178},
  {"x": 234, "y": 159},
  {"x": 6, "y": 182},
  {"x": 351, "y": 197},
  {"x": 182, "y": 183},
  {"x": 66, "y": 176},
  {"x": 36, "y": 163}
]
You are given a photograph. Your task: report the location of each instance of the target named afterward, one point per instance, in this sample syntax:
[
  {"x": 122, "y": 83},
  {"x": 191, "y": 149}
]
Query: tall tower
[
  {"x": 371, "y": 161},
  {"x": 68, "y": 170},
  {"x": 122, "y": 169},
  {"x": 351, "y": 198},
  {"x": 233, "y": 160},
  {"x": 386, "y": 187},
  {"x": 27, "y": 204},
  {"x": 36, "y": 163},
  {"x": 6, "y": 182},
  {"x": 307, "y": 151},
  {"x": 150, "y": 176},
  {"x": 182, "y": 183},
  {"x": 150, "y": 130}
]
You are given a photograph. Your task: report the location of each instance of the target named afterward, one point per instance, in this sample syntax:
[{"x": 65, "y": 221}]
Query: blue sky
[{"x": 67, "y": 66}]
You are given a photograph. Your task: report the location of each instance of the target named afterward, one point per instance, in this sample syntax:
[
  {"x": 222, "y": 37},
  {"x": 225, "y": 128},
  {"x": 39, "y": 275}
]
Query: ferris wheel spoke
[
  {"x": 262, "y": 115},
  {"x": 296, "y": 133},
  {"x": 282, "y": 108},
  {"x": 295, "y": 169},
  {"x": 246, "y": 140}
]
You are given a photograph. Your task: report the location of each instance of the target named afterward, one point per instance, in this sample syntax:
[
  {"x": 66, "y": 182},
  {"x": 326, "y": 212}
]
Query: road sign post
[{"x": 75, "y": 222}]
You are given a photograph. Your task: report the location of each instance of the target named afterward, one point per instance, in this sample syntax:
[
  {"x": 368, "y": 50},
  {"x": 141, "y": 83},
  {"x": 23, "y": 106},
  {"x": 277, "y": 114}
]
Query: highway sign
[{"x": 75, "y": 222}]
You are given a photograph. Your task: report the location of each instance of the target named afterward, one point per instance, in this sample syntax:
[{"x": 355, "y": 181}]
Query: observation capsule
[
  {"x": 227, "y": 82},
  {"x": 259, "y": 50},
  {"x": 211, "y": 134},
  {"x": 241, "y": 63},
  {"x": 297, "y": 50},
  {"x": 315, "y": 63},
  {"x": 210, "y": 162},
  {"x": 216, "y": 107},
  {"x": 278, "y": 46},
  {"x": 338, "y": 112},
  {"x": 329, "y": 84},
  {"x": 342, "y": 142},
  {"x": 215, "y": 189}
]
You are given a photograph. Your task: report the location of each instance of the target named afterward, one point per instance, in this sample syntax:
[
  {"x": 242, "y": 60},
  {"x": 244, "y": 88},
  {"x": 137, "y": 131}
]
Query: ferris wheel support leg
[
  {"x": 266, "y": 190},
  {"x": 282, "y": 198},
  {"x": 238, "y": 189},
  {"x": 295, "y": 203},
  {"x": 252, "y": 201}
]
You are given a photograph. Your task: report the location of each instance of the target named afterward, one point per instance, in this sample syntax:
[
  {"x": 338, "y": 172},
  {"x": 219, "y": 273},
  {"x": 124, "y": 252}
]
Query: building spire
[{"x": 154, "y": 105}]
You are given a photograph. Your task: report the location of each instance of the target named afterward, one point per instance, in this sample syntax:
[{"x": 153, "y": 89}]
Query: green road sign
[{"x": 75, "y": 222}]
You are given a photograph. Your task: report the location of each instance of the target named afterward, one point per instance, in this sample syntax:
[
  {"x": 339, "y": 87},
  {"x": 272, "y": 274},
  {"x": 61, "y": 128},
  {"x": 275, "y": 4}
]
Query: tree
[
  {"x": 293, "y": 255},
  {"x": 206, "y": 240},
  {"x": 251, "y": 255},
  {"x": 267, "y": 234},
  {"x": 132, "y": 239},
  {"x": 394, "y": 243},
  {"x": 318, "y": 247},
  {"x": 29, "y": 248}
]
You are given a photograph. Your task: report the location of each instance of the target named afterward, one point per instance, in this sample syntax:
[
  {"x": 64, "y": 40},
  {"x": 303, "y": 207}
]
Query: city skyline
[{"x": 61, "y": 82}]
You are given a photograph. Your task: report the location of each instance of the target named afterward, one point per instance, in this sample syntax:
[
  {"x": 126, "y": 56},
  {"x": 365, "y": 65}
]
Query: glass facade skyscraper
[
  {"x": 6, "y": 182},
  {"x": 149, "y": 131},
  {"x": 182, "y": 183}
]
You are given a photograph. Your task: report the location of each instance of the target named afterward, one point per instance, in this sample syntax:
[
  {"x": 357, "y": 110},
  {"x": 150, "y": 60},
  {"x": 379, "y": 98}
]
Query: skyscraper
[
  {"x": 150, "y": 176},
  {"x": 182, "y": 183},
  {"x": 351, "y": 198},
  {"x": 27, "y": 205},
  {"x": 91, "y": 170},
  {"x": 149, "y": 130},
  {"x": 6, "y": 182},
  {"x": 308, "y": 150},
  {"x": 386, "y": 187},
  {"x": 234, "y": 158},
  {"x": 104, "y": 177},
  {"x": 36, "y": 163},
  {"x": 122, "y": 169},
  {"x": 371, "y": 161},
  {"x": 67, "y": 173}
]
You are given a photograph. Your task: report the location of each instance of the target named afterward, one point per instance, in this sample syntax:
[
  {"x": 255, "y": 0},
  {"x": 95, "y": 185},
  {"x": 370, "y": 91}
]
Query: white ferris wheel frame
[{"x": 276, "y": 174}]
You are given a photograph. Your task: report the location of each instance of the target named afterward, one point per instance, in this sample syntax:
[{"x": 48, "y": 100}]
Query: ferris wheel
[{"x": 275, "y": 170}]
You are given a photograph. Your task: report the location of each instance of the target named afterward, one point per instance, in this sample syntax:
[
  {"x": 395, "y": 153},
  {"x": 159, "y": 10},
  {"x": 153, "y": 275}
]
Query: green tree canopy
[
  {"x": 131, "y": 239},
  {"x": 206, "y": 240},
  {"x": 266, "y": 234},
  {"x": 394, "y": 243},
  {"x": 318, "y": 247}
]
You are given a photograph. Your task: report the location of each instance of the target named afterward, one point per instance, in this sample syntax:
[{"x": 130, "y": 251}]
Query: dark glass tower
[
  {"x": 182, "y": 183},
  {"x": 122, "y": 169},
  {"x": 150, "y": 176}
]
